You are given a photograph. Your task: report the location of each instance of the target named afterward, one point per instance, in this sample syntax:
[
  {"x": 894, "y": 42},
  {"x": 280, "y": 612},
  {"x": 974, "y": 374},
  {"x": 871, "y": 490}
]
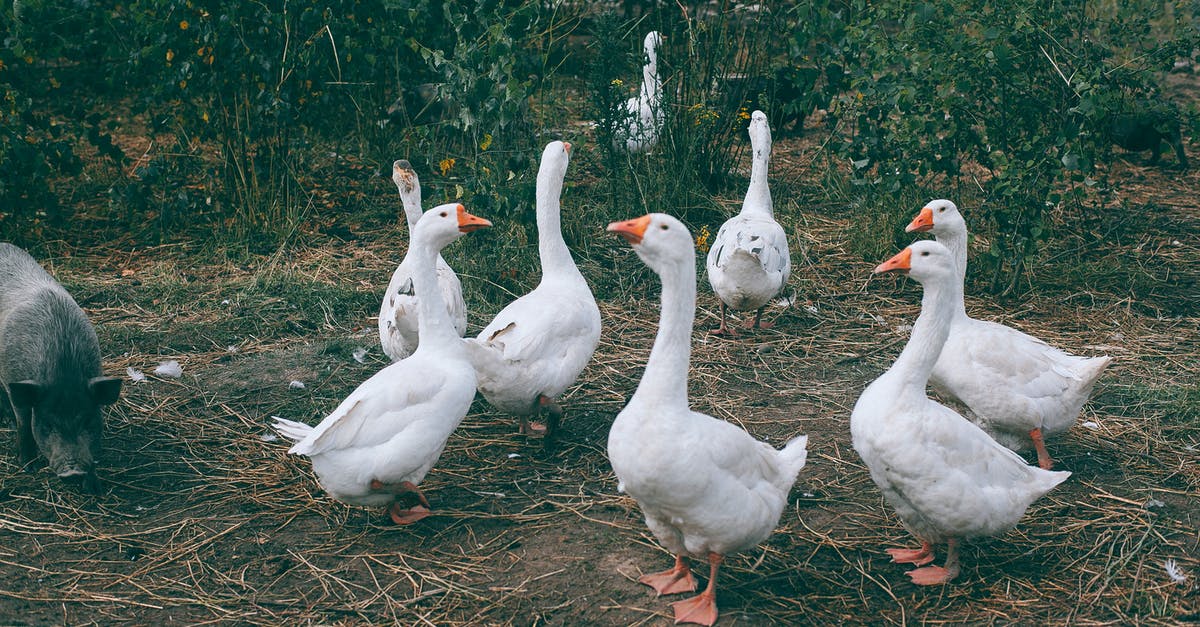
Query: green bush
[{"x": 944, "y": 94}]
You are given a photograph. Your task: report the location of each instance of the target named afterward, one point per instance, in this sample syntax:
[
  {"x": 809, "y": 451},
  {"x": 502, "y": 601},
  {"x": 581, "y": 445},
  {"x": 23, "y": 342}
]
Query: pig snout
[
  {"x": 71, "y": 458},
  {"x": 74, "y": 471}
]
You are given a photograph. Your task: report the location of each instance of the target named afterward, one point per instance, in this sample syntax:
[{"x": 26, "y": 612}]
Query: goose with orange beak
[
  {"x": 706, "y": 487},
  {"x": 947, "y": 479},
  {"x": 1019, "y": 388},
  {"x": 378, "y": 445}
]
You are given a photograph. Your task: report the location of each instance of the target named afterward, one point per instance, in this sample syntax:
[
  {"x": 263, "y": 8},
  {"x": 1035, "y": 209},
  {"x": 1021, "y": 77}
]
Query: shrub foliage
[{"x": 1000, "y": 103}]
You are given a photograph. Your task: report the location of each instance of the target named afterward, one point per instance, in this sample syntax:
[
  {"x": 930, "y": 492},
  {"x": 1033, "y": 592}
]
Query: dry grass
[{"x": 205, "y": 522}]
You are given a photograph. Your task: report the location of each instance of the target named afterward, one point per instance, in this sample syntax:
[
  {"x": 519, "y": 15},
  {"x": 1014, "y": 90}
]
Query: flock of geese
[{"x": 707, "y": 488}]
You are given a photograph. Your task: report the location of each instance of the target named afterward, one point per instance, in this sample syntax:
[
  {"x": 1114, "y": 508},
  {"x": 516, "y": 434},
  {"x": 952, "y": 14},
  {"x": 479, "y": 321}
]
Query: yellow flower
[
  {"x": 446, "y": 165},
  {"x": 183, "y": 84},
  {"x": 702, "y": 239},
  {"x": 616, "y": 82},
  {"x": 487, "y": 141},
  {"x": 742, "y": 114},
  {"x": 183, "y": 25},
  {"x": 170, "y": 55},
  {"x": 204, "y": 116}
]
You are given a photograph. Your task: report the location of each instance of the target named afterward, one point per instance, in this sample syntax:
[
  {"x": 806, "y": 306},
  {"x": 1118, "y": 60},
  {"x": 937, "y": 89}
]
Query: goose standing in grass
[
  {"x": 642, "y": 116},
  {"x": 706, "y": 487},
  {"x": 1021, "y": 389},
  {"x": 399, "y": 313},
  {"x": 749, "y": 262},
  {"x": 947, "y": 479},
  {"x": 537, "y": 346},
  {"x": 379, "y": 443}
]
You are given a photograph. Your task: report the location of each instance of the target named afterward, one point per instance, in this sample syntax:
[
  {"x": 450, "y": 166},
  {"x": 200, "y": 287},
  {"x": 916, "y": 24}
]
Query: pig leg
[
  {"x": 1180, "y": 155},
  {"x": 26, "y": 446},
  {"x": 1156, "y": 150}
]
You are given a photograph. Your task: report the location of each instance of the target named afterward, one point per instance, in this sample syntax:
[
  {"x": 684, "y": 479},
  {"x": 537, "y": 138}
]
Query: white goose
[
  {"x": 947, "y": 479},
  {"x": 706, "y": 487},
  {"x": 379, "y": 443},
  {"x": 642, "y": 117},
  {"x": 537, "y": 345},
  {"x": 749, "y": 262},
  {"x": 399, "y": 312},
  {"x": 1021, "y": 389}
]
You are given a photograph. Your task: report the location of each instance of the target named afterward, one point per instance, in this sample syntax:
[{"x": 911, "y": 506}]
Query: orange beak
[
  {"x": 468, "y": 222},
  {"x": 922, "y": 223},
  {"x": 632, "y": 230},
  {"x": 567, "y": 147},
  {"x": 901, "y": 262}
]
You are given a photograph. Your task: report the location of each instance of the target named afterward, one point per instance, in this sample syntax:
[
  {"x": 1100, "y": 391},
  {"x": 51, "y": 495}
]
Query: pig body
[
  {"x": 50, "y": 370},
  {"x": 1145, "y": 126}
]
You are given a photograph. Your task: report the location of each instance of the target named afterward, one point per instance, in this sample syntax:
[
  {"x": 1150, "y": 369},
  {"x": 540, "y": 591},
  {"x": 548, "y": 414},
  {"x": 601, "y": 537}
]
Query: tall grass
[{"x": 704, "y": 63}]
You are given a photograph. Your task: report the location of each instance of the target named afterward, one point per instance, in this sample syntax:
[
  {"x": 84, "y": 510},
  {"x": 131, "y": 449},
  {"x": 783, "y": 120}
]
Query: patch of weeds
[{"x": 1133, "y": 247}]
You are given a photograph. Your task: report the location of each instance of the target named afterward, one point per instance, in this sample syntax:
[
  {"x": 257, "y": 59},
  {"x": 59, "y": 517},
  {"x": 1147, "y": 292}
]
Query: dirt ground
[{"x": 205, "y": 518}]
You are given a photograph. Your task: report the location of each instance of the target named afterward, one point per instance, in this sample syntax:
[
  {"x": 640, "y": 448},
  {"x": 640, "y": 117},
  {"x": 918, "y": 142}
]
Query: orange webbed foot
[
  {"x": 920, "y": 557},
  {"x": 930, "y": 576},
  {"x": 672, "y": 581},
  {"x": 402, "y": 516},
  {"x": 533, "y": 428},
  {"x": 700, "y": 609}
]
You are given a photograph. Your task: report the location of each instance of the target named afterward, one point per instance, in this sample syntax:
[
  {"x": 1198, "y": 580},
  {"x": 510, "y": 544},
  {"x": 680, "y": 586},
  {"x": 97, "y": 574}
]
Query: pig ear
[
  {"x": 24, "y": 394},
  {"x": 105, "y": 389}
]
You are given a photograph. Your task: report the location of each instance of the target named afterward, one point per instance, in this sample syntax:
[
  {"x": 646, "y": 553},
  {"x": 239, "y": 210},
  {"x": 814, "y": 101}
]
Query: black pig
[
  {"x": 1145, "y": 127},
  {"x": 50, "y": 368}
]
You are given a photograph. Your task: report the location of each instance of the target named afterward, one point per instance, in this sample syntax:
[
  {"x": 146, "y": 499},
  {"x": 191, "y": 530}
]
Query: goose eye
[
  {"x": 925, "y": 254},
  {"x": 664, "y": 227},
  {"x": 443, "y": 214},
  {"x": 941, "y": 209}
]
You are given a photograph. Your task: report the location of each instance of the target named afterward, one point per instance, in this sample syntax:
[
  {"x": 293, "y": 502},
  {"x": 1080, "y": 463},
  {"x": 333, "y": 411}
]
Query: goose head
[
  {"x": 650, "y": 45},
  {"x": 445, "y": 223},
  {"x": 659, "y": 239},
  {"x": 925, "y": 261},
  {"x": 760, "y": 134},
  {"x": 940, "y": 217},
  {"x": 409, "y": 187},
  {"x": 555, "y": 158}
]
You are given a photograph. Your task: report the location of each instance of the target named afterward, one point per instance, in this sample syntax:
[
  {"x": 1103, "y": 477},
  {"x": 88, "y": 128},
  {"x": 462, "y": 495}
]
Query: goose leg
[
  {"x": 920, "y": 557},
  {"x": 757, "y": 323},
  {"x": 554, "y": 414},
  {"x": 1040, "y": 444},
  {"x": 702, "y": 608},
  {"x": 672, "y": 581},
  {"x": 933, "y": 575},
  {"x": 408, "y": 492},
  {"x": 724, "y": 329}
]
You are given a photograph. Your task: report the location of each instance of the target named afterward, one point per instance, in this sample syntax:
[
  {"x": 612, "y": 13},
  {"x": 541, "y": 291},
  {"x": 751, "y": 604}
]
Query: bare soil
[{"x": 206, "y": 519}]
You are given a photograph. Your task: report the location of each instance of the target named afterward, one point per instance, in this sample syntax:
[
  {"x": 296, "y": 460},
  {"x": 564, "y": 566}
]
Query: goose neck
[
  {"x": 412, "y": 209},
  {"x": 956, "y": 242},
  {"x": 552, "y": 248},
  {"x": 650, "y": 86},
  {"x": 434, "y": 327},
  {"x": 758, "y": 194},
  {"x": 665, "y": 378},
  {"x": 929, "y": 334}
]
